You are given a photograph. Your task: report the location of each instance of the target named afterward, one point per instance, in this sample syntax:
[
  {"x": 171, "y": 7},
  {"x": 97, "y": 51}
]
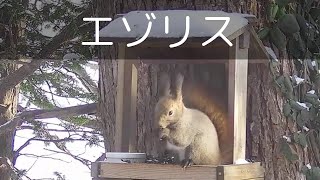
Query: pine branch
[
  {"x": 26, "y": 70},
  {"x": 66, "y": 34},
  {"x": 85, "y": 79},
  {"x": 45, "y": 114}
]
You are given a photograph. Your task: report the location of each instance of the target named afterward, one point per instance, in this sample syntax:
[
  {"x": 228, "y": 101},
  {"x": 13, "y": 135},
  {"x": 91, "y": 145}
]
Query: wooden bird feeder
[{"x": 246, "y": 49}]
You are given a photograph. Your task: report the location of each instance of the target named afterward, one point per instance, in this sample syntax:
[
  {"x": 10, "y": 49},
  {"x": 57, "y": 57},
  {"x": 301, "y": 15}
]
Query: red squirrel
[
  {"x": 214, "y": 105},
  {"x": 185, "y": 129}
]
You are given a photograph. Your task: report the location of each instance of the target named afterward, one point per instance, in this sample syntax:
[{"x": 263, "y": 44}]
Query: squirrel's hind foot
[{"x": 186, "y": 163}]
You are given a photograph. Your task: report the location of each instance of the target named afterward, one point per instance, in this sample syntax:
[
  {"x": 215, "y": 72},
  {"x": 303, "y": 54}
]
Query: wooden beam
[
  {"x": 252, "y": 19},
  {"x": 119, "y": 143},
  {"x": 240, "y": 172},
  {"x": 189, "y": 43},
  {"x": 194, "y": 61},
  {"x": 237, "y": 102},
  {"x": 257, "y": 50},
  {"x": 125, "y": 132},
  {"x": 156, "y": 171},
  {"x": 167, "y": 55},
  {"x": 192, "y": 53},
  {"x": 186, "y": 61},
  {"x": 95, "y": 169},
  {"x": 127, "y": 129},
  {"x": 244, "y": 40},
  {"x": 133, "y": 108},
  {"x": 167, "y": 171}
]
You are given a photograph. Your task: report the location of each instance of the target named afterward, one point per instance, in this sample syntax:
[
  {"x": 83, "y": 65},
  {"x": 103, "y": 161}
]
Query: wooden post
[
  {"x": 95, "y": 170},
  {"x": 133, "y": 108},
  {"x": 238, "y": 73},
  {"x": 119, "y": 100},
  {"x": 125, "y": 132}
]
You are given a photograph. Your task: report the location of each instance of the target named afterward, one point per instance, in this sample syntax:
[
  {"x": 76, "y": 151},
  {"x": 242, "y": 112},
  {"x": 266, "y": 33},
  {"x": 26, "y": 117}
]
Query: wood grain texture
[
  {"x": 156, "y": 171},
  {"x": 119, "y": 139},
  {"x": 133, "y": 108},
  {"x": 126, "y": 103},
  {"x": 267, "y": 122},
  {"x": 95, "y": 169},
  {"x": 257, "y": 51},
  {"x": 162, "y": 172},
  {"x": 240, "y": 172},
  {"x": 238, "y": 74}
]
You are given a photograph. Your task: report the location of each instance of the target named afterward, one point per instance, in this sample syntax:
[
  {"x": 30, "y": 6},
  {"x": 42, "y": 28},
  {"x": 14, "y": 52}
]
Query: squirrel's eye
[{"x": 170, "y": 113}]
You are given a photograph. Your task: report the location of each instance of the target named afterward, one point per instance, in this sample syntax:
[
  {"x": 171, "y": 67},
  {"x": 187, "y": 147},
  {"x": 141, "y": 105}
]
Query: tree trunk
[
  {"x": 8, "y": 108},
  {"x": 266, "y": 123},
  {"x": 11, "y": 32}
]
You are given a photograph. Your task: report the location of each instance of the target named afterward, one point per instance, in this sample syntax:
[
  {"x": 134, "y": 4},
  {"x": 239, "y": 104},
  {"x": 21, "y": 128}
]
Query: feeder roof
[{"x": 199, "y": 26}]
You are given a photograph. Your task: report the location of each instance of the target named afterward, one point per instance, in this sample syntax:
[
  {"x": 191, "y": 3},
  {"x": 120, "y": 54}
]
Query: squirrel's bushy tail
[{"x": 198, "y": 96}]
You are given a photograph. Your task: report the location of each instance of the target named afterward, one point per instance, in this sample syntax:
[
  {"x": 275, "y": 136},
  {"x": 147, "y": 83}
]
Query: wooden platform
[{"x": 104, "y": 171}]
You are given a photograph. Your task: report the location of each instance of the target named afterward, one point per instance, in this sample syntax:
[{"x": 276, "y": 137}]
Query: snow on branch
[{"x": 26, "y": 70}]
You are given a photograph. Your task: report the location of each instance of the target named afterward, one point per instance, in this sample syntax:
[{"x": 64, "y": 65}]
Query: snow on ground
[{"x": 39, "y": 168}]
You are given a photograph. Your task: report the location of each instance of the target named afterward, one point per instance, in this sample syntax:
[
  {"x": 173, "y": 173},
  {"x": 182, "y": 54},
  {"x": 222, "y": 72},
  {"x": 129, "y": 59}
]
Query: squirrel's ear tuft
[
  {"x": 164, "y": 84},
  {"x": 179, "y": 83}
]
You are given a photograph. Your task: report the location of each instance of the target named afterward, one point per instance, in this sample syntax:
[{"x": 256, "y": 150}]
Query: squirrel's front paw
[
  {"x": 164, "y": 134},
  {"x": 186, "y": 163},
  {"x": 164, "y": 138}
]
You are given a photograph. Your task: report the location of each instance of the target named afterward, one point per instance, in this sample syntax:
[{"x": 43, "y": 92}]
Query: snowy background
[
  {"x": 44, "y": 167},
  {"x": 50, "y": 162}
]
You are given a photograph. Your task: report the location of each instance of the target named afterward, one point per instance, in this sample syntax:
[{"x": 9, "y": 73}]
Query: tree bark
[
  {"x": 8, "y": 109},
  {"x": 8, "y": 95},
  {"x": 266, "y": 123}
]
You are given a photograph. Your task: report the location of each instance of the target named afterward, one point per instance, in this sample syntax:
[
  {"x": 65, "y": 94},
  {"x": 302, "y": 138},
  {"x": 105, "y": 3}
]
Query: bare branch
[
  {"x": 68, "y": 139},
  {"x": 32, "y": 165},
  {"x": 45, "y": 114},
  {"x": 42, "y": 156},
  {"x": 65, "y": 112},
  {"x": 17, "y": 152},
  {"x": 61, "y": 130},
  {"x": 82, "y": 160}
]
